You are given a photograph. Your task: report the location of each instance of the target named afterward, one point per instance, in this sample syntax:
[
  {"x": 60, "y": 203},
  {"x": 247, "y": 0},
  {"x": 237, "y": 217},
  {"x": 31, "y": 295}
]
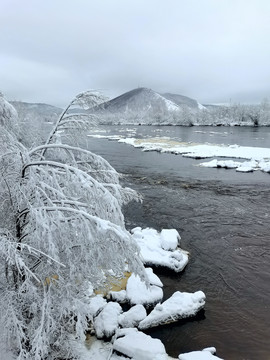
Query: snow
[
  {"x": 170, "y": 105},
  {"x": 258, "y": 158},
  {"x": 139, "y": 346},
  {"x": 153, "y": 278},
  {"x": 139, "y": 293},
  {"x": 106, "y": 322},
  {"x": 205, "y": 354},
  {"x": 169, "y": 239},
  {"x": 151, "y": 244},
  {"x": 201, "y": 107},
  {"x": 96, "y": 304},
  {"x": 265, "y": 165},
  {"x": 119, "y": 296},
  {"x": 180, "y": 305},
  {"x": 132, "y": 317}
]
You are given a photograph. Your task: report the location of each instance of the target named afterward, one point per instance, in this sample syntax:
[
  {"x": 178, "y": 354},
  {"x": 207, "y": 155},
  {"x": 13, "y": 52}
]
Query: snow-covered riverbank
[{"x": 124, "y": 328}]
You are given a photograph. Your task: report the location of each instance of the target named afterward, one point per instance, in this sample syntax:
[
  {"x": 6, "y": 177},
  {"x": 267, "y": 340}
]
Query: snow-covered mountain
[
  {"x": 181, "y": 100},
  {"x": 145, "y": 106},
  {"x": 142, "y": 99},
  {"x": 38, "y": 111}
]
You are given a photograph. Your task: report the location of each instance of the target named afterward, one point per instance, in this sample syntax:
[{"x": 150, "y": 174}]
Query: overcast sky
[{"x": 210, "y": 50}]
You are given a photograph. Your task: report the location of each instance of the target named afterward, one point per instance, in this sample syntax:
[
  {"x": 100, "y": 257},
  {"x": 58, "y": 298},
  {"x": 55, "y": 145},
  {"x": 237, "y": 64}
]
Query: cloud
[{"x": 210, "y": 50}]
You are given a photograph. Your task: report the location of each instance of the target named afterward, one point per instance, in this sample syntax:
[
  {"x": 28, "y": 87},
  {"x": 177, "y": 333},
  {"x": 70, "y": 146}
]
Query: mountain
[
  {"x": 40, "y": 112},
  {"x": 139, "y": 100},
  {"x": 146, "y": 106},
  {"x": 181, "y": 100}
]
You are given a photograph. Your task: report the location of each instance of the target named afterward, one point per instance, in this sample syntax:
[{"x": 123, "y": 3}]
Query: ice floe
[{"x": 154, "y": 245}]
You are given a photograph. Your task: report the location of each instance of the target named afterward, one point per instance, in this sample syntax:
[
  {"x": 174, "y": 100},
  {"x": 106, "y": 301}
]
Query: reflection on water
[{"x": 223, "y": 219}]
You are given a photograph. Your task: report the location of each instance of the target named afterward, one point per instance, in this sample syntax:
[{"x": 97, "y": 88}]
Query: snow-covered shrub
[{"x": 62, "y": 231}]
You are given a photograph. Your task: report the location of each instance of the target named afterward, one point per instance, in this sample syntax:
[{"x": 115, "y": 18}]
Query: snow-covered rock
[
  {"x": 147, "y": 295},
  {"x": 139, "y": 293},
  {"x": 139, "y": 346},
  {"x": 151, "y": 244},
  {"x": 180, "y": 305},
  {"x": 132, "y": 317},
  {"x": 96, "y": 304},
  {"x": 169, "y": 239},
  {"x": 205, "y": 354},
  {"x": 119, "y": 296},
  {"x": 106, "y": 323},
  {"x": 153, "y": 278}
]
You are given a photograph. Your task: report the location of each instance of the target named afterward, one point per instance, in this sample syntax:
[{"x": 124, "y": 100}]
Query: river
[{"x": 223, "y": 218}]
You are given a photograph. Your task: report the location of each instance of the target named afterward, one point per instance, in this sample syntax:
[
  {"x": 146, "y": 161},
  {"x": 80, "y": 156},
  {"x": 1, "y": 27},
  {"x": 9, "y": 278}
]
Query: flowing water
[{"x": 224, "y": 221}]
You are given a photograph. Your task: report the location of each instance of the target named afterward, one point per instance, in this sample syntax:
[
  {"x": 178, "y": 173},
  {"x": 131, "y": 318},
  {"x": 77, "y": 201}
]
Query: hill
[{"x": 145, "y": 106}]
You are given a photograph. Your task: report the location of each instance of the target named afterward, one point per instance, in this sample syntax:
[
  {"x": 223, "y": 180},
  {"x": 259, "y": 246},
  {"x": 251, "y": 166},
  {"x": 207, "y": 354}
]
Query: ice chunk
[{"x": 180, "y": 305}]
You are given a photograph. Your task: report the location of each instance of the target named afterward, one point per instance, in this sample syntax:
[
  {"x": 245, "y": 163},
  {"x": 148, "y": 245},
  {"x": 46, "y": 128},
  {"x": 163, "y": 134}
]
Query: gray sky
[{"x": 211, "y": 50}]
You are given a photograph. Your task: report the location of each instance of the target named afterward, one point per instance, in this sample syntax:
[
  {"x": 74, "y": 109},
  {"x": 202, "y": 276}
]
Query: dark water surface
[{"x": 224, "y": 221}]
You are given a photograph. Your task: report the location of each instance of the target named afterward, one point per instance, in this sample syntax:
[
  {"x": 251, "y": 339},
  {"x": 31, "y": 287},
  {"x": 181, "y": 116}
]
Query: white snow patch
[
  {"x": 152, "y": 252},
  {"x": 109, "y": 137},
  {"x": 264, "y": 165},
  {"x": 153, "y": 278},
  {"x": 132, "y": 317},
  {"x": 259, "y": 157},
  {"x": 170, "y": 239},
  {"x": 205, "y": 354},
  {"x": 139, "y": 293},
  {"x": 201, "y": 107},
  {"x": 139, "y": 346},
  {"x": 106, "y": 323},
  {"x": 246, "y": 166},
  {"x": 96, "y": 304},
  {"x": 119, "y": 296},
  {"x": 180, "y": 305}
]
